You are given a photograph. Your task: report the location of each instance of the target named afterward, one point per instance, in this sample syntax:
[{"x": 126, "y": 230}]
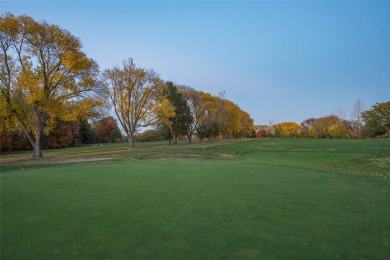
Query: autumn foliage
[
  {"x": 107, "y": 130},
  {"x": 45, "y": 77},
  {"x": 51, "y": 92},
  {"x": 261, "y": 133},
  {"x": 286, "y": 129}
]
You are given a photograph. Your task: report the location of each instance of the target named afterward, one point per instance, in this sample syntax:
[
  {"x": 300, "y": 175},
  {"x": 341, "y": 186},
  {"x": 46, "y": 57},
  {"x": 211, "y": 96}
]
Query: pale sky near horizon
[{"x": 278, "y": 60}]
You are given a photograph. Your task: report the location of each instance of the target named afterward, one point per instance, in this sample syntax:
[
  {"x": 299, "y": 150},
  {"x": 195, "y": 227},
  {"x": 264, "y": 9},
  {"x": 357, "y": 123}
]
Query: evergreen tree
[
  {"x": 182, "y": 119},
  {"x": 86, "y": 132}
]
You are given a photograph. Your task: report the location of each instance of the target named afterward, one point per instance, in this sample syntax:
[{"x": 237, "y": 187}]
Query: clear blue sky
[{"x": 278, "y": 60}]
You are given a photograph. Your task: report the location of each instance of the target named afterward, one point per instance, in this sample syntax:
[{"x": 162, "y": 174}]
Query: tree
[
  {"x": 209, "y": 127},
  {"x": 221, "y": 118},
  {"x": 377, "y": 119},
  {"x": 247, "y": 127},
  {"x": 326, "y": 127},
  {"x": 321, "y": 125},
  {"x": 197, "y": 109},
  {"x": 228, "y": 118},
  {"x": 337, "y": 131},
  {"x": 107, "y": 130},
  {"x": 261, "y": 133},
  {"x": 44, "y": 77},
  {"x": 86, "y": 132},
  {"x": 64, "y": 134},
  {"x": 181, "y": 121},
  {"x": 307, "y": 130},
  {"x": 13, "y": 140},
  {"x": 153, "y": 135},
  {"x": 133, "y": 94},
  {"x": 286, "y": 129},
  {"x": 357, "y": 120}
]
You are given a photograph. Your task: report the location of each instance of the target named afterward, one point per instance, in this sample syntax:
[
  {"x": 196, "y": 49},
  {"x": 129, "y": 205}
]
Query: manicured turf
[{"x": 261, "y": 199}]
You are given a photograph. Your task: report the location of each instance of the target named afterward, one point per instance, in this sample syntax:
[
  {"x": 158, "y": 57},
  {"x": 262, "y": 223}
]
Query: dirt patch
[
  {"x": 79, "y": 160},
  {"x": 48, "y": 160}
]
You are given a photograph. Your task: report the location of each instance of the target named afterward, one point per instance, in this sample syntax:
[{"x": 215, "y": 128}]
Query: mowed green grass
[{"x": 260, "y": 199}]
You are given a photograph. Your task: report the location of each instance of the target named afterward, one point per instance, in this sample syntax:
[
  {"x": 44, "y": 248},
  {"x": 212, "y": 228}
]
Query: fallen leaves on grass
[{"x": 371, "y": 165}]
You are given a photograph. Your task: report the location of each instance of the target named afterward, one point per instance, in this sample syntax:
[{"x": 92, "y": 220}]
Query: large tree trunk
[
  {"x": 41, "y": 117},
  {"x": 34, "y": 141},
  {"x": 131, "y": 140},
  {"x": 37, "y": 148},
  {"x": 189, "y": 136}
]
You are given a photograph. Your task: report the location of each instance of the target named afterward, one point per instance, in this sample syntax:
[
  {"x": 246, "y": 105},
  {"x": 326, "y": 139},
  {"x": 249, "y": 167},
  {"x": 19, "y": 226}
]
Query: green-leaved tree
[
  {"x": 377, "y": 119},
  {"x": 182, "y": 119}
]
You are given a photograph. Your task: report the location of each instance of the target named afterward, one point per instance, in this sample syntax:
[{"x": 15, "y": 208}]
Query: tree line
[
  {"x": 51, "y": 91},
  {"x": 374, "y": 122},
  {"x": 52, "y": 95}
]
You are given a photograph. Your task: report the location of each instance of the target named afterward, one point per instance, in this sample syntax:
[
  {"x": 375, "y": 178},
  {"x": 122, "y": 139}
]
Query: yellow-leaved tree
[
  {"x": 135, "y": 94},
  {"x": 198, "y": 109},
  {"x": 44, "y": 76},
  {"x": 286, "y": 129}
]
